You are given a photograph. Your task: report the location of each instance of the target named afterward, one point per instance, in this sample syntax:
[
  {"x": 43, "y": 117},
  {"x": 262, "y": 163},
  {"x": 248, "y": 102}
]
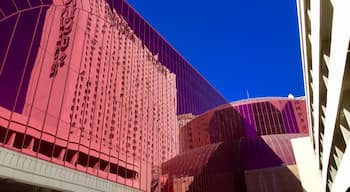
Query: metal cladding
[
  {"x": 221, "y": 166},
  {"x": 243, "y": 119},
  {"x": 194, "y": 93},
  {"x": 91, "y": 86},
  {"x": 82, "y": 89}
]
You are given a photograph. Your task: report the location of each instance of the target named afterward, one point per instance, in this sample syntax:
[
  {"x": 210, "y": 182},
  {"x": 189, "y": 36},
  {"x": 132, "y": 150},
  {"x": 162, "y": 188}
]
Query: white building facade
[{"x": 324, "y": 29}]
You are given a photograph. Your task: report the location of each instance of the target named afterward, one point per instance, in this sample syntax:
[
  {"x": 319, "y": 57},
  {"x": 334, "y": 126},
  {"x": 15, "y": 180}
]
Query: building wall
[
  {"x": 183, "y": 120},
  {"x": 324, "y": 42},
  {"x": 182, "y": 184},
  {"x": 195, "y": 94},
  {"x": 273, "y": 179},
  {"x": 193, "y": 134},
  {"x": 91, "y": 85},
  {"x": 83, "y": 91},
  {"x": 20, "y": 172}
]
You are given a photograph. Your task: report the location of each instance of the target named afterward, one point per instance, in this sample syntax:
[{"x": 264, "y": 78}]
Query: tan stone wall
[{"x": 275, "y": 179}]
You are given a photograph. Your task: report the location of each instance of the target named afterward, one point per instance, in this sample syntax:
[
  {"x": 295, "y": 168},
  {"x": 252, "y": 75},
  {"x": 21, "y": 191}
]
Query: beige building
[{"x": 324, "y": 159}]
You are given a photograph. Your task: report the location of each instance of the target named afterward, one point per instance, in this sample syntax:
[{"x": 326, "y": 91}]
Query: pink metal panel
[
  {"x": 96, "y": 99},
  {"x": 221, "y": 166}
]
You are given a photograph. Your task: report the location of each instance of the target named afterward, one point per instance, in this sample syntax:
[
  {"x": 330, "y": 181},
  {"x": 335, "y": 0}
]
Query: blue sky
[{"x": 237, "y": 45}]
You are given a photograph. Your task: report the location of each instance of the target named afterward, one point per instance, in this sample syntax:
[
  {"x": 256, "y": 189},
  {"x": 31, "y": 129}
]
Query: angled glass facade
[{"x": 195, "y": 94}]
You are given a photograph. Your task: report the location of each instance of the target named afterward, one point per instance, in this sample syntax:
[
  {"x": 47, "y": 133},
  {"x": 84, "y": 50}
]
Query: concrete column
[{"x": 339, "y": 49}]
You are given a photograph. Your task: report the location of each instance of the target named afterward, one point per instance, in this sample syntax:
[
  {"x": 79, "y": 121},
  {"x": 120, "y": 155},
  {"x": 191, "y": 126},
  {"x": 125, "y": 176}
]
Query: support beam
[
  {"x": 337, "y": 61},
  {"x": 30, "y": 170},
  {"x": 342, "y": 181}
]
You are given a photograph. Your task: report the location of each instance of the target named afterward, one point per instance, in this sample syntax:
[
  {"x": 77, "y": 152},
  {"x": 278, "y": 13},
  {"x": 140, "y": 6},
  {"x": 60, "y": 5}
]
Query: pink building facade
[
  {"x": 94, "y": 99},
  {"x": 194, "y": 93},
  {"x": 91, "y": 86}
]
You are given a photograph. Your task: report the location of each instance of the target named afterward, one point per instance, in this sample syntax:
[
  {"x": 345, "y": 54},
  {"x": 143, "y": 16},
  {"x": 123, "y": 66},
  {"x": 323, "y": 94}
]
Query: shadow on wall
[{"x": 258, "y": 164}]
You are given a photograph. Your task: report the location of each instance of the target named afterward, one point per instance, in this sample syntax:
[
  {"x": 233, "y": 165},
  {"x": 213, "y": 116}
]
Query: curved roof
[{"x": 261, "y": 99}]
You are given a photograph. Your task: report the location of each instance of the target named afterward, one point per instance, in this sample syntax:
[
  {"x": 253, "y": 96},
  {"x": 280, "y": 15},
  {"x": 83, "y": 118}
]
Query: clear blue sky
[{"x": 237, "y": 45}]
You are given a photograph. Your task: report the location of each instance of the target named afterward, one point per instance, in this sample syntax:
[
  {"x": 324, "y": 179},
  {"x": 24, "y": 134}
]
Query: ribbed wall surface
[
  {"x": 221, "y": 166},
  {"x": 195, "y": 95},
  {"x": 80, "y": 89},
  {"x": 245, "y": 119}
]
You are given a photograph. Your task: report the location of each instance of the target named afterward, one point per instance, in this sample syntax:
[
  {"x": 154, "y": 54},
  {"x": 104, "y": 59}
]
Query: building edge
[{"x": 30, "y": 170}]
